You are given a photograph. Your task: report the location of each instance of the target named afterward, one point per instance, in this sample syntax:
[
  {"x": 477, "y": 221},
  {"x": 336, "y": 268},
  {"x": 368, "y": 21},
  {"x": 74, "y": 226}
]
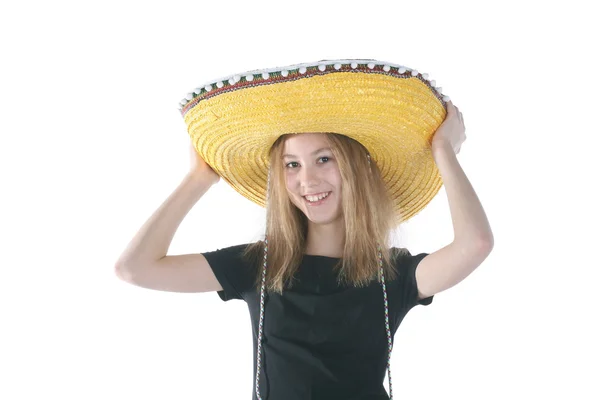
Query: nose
[{"x": 309, "y": 176}]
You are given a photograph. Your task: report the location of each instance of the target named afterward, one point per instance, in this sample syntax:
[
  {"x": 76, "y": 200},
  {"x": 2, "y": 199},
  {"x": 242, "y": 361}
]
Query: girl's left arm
[{"x": 473, "y": 238}]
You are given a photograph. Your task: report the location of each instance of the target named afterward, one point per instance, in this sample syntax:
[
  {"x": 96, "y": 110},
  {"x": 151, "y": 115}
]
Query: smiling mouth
[{"x": 317, "y": 199}]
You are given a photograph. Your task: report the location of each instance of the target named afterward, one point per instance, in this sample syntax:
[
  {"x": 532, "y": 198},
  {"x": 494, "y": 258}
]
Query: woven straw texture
[{"x": 394, "y": 117}]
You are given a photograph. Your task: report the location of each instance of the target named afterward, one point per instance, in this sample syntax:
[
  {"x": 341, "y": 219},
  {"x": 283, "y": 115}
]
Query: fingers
[
  {"x": 460, "y": 115},
  {"x": 452, "y": 107}
]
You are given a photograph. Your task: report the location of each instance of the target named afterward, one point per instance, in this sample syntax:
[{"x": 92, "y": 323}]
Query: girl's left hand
[{"x": 452, "y": 131}]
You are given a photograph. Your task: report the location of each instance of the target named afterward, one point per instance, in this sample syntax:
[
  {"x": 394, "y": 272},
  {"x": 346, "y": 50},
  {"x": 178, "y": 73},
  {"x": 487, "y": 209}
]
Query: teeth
[{"x": 316, "y": 198}]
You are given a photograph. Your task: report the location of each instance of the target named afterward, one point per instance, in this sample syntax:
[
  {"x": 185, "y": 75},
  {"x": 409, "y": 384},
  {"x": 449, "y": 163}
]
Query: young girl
[{"x": 325, "y": 292}]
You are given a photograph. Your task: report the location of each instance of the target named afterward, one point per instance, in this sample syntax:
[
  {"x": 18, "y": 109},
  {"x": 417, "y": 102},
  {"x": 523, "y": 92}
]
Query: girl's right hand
[{"x": 199, "y": 167}]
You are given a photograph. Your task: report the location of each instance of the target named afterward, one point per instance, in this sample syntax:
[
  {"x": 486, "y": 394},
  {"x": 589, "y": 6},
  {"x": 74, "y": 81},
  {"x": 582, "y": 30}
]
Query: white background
[{"x": 92, "y": 143}]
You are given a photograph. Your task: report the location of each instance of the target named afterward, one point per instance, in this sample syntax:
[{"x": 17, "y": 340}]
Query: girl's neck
[{"x": 325, "y": 240}]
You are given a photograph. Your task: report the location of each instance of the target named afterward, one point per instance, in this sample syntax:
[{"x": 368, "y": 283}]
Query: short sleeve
[
  {"x": 407, "y": 279},
  {"x": 233, "y": 273}
]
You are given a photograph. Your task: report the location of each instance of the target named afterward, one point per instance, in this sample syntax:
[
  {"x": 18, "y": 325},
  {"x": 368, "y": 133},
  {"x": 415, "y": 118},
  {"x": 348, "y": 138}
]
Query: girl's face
[{"x": 310, "y": 169}]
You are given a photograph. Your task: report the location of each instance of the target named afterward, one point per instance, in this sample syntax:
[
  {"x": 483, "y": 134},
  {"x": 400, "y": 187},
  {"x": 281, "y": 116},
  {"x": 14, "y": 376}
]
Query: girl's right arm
[{"x": 145, "y": 263}]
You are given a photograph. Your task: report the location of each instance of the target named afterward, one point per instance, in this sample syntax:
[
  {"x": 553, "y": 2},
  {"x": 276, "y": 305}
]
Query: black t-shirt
[{"x": 321, "y": 341}]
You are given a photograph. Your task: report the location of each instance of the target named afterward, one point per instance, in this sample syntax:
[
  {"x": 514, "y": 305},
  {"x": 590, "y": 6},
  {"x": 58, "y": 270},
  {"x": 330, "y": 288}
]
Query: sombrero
[{"x": 392, "y": 110}]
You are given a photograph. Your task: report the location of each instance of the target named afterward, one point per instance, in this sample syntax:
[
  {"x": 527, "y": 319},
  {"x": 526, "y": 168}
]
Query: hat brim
[{"x": 393, "y": 116}]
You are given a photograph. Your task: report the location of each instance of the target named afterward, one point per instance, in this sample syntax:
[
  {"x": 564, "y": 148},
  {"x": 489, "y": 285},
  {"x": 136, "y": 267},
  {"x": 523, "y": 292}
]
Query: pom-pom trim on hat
[{"x": 300, "y": 71}]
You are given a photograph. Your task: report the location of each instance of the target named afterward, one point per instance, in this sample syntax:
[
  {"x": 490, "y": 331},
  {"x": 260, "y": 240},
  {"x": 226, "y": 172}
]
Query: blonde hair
[{"x": 367, "y": 211}]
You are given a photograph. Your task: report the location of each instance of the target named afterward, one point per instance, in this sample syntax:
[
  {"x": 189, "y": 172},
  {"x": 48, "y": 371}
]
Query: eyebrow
[{"x": 312, "y": 154}]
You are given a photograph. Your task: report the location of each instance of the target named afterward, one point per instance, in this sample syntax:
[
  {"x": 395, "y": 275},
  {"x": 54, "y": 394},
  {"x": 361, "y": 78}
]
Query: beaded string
[
  {"x": 262, "y": 306},
  {"x": 262, "y": 299}
]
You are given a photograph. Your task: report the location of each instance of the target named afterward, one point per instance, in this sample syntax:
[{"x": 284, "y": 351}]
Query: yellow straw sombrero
[{"x": 392, "y": 110}]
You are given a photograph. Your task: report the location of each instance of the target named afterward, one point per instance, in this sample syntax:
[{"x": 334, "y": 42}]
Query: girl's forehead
[{"x": 305, "y": 139}]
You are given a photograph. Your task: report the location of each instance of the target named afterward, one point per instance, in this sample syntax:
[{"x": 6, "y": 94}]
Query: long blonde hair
[{"x": 367, "y": 211}]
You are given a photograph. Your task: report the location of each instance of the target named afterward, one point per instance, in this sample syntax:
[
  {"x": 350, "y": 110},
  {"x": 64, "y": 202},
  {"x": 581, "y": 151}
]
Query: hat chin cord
[{"x": 261, "y": 319}]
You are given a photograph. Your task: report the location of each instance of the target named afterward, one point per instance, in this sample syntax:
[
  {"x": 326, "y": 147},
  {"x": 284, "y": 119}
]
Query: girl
[{"x": 325, "y": 292}]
